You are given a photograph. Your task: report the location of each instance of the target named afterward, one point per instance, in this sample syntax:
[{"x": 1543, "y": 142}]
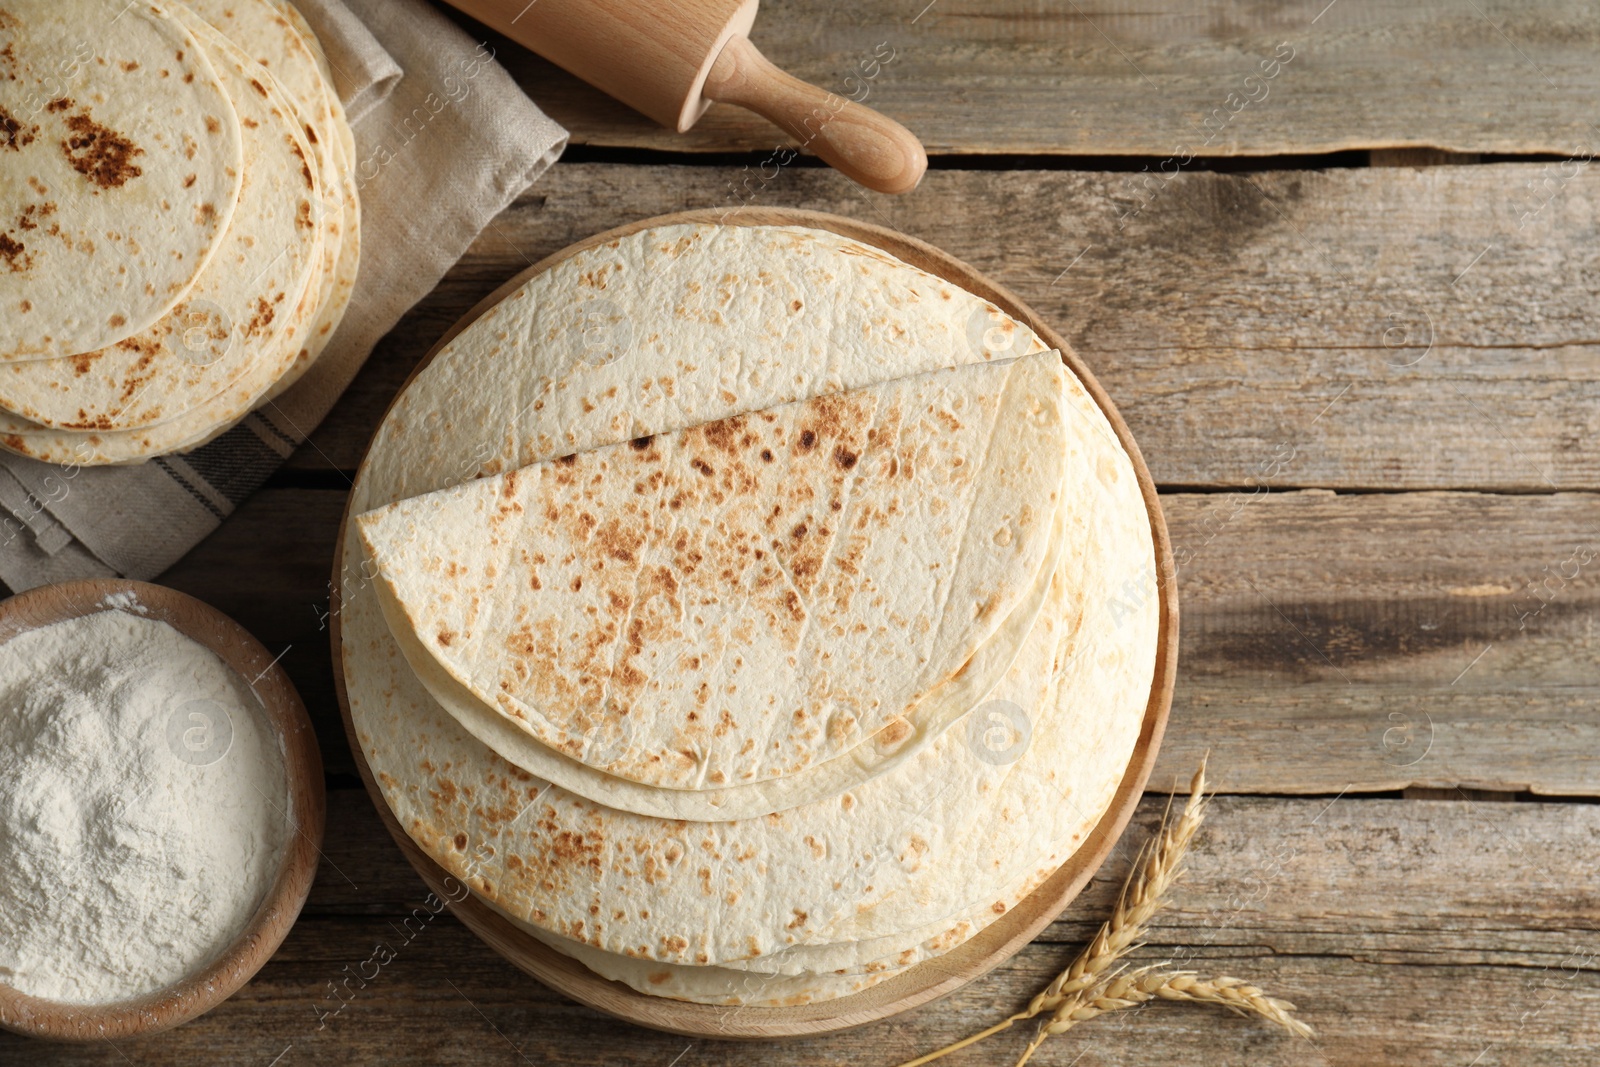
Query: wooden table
[{"x": 1351, "y": 314}]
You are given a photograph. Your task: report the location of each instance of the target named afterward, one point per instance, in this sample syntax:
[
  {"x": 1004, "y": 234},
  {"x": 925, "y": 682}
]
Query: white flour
[{"x": 143, "y": 808}]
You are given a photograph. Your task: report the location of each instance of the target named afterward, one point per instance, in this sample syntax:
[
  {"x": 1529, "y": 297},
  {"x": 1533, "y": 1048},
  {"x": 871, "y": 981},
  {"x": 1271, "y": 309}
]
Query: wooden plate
[
  {"x": 929, "y": 980},
  {"x": 210, "y": 986}
]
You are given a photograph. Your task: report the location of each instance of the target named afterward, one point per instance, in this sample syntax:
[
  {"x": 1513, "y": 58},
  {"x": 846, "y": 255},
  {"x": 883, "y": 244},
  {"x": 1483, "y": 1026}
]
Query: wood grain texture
[
  {"x": 1375, "y": 641},
  {"x": 1407, "y": 932},
  {"x": 1390, "y": 328},
  {"x": 1121, "y": 78},
  {"x": 1400, "y": 591}
]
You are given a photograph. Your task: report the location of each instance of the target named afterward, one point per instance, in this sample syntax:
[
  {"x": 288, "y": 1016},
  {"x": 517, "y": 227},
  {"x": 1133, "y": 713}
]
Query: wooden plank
[
  {"x": 1375, "y": 641},
  {"x": 1329, "y": 641},
  {"x": 1408, "y": 932},
  {"x": 1390, "y": 328},
  {"x": 1118, "y": 78}
]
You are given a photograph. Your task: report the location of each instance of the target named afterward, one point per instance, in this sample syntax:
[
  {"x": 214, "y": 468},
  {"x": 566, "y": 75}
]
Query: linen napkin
[{"x": 427, "y": 189}]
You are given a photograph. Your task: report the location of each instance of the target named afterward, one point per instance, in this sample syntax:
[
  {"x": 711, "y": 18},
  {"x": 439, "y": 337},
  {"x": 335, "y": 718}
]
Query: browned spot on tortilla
[
  {"x": 205, "y": 214},
  {"x": 60, "y": 103},
  {"x": 641, "y": 444},
  {"x": 261, "y": 319},
  {"x": 15, "y": 253},
  {"x": 102, "y": 155},
  {"x": 262, "y": 89},
  {"x": 27, "y": 306},
  {"x": 130, "y": 66},
  {"x": 13, "y": 134},
  {"x": 189, "y": 181},
  {"x": 445, "y": 637},
  {"x": 844, "y": 457},
  {"x": 305, "y": 165},
  {"x": 726, "y": 435},
  {"x": 896, "y": 732},
  {"x": 808, "y": 440},
  {"x": 212, "y": 125},
  {"x": 118, "y": 320},
  {"x": 999, "y": 907},
  {"x": 25, "y": 219}
]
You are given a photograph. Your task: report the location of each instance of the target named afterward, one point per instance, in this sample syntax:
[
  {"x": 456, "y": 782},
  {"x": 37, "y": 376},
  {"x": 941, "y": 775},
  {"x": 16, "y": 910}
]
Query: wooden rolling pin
[{"x": 671, "y": 58}]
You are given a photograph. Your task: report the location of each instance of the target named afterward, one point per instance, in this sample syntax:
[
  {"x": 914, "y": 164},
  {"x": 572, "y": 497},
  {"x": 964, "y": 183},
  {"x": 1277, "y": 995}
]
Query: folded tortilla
[{"x": 740, "y": 602}]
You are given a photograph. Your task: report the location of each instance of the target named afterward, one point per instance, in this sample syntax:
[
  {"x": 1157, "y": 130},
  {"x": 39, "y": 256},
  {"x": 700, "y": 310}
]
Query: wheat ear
[{"x": 1118, "y": 991}]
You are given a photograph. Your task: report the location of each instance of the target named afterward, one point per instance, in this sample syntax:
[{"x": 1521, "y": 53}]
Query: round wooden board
[
  {"x": 927, "y": 981},
  {"x": 204, "y": 990}
]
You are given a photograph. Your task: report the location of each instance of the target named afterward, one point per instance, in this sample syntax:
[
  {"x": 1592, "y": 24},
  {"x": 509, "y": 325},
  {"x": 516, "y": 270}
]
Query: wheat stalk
[
  {"x": 1236, "y": 995},
  {"x": 1091, "y": 986},
  {"x": 1117, "y": 991}
]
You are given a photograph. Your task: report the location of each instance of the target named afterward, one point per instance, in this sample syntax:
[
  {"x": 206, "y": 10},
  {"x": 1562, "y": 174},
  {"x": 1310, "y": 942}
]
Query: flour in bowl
[{"x": 143, "y": 808}]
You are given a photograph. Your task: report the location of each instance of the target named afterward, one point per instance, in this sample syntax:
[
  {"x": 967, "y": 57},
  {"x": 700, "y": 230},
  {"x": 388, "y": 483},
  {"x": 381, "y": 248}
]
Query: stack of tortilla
[
  {"x": 744, "y": 612},
  {"x": 179, "y": 230}
]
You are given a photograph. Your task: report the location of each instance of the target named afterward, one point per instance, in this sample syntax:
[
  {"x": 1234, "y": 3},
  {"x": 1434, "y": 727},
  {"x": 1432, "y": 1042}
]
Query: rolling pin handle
[{"x": 864, "y": 145}]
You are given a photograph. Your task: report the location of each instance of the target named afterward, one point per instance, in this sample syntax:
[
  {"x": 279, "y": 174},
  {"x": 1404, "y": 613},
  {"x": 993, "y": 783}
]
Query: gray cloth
[{"x": 445, "y": 141}]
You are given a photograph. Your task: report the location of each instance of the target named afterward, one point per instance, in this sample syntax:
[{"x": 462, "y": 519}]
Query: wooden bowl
[
  {"x": 218, "y": 980},
  {"x": 933, "y": 978}
]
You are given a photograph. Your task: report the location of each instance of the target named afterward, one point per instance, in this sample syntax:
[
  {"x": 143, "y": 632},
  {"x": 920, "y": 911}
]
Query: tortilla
[
  {"x": 1064, "y": 778},
  {"x": 279, "y": 40},
  {"x": 340, "y": 184},
  {"x": 274, "y": 39},
  {"x": 725, "y": 891},
  {"x": 187, "y": 431},
  {"x": 873, "y": 756},
  {"x": 803, "y": 975},
  {"x": 1061, "y": 731},
  {"x": 122, "y": 163},
  {"x": 238, "y": 308},
  {"x": 297, "y": 22},
  {"x": 721, "y": 986},
  {"x": 641, "y": 609}
]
